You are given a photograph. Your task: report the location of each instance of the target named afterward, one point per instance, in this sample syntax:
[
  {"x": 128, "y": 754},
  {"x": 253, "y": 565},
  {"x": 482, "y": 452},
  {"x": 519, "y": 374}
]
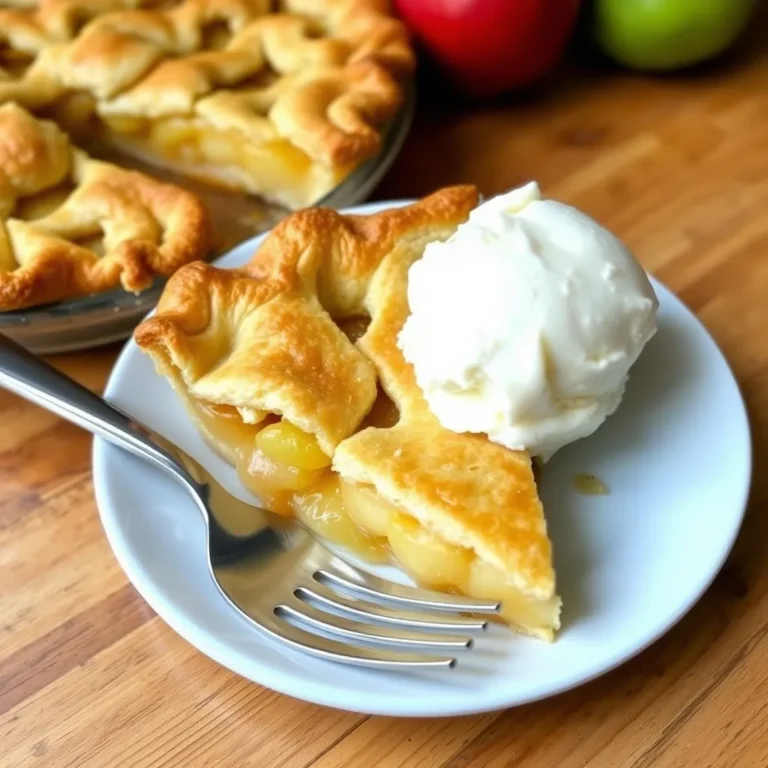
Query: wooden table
[{"x": 89, "y": 676}]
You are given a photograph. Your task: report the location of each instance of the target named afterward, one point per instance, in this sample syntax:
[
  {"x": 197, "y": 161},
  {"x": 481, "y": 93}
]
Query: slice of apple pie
[
  {"x": 277, "y": 99},
  {"x": 291, "y": 370}
]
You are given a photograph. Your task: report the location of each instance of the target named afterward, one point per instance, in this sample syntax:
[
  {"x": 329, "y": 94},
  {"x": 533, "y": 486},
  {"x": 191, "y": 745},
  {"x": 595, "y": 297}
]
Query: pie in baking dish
[
  {"x": 278, "y": 99},
  {"x": 71, "y": 225},
  {"x": 291, "y": 370}
]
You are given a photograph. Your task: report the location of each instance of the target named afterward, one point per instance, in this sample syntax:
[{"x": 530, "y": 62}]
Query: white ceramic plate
[{"x": 676, "y": 457}]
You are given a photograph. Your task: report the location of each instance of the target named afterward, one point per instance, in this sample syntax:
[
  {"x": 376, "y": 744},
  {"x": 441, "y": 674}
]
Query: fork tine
[
  {"x": 316, "y": 620},
  {"x": 330, "y": 650},
  {"x": 368, "y": 587},
  {"x": 324, "y": 598}
]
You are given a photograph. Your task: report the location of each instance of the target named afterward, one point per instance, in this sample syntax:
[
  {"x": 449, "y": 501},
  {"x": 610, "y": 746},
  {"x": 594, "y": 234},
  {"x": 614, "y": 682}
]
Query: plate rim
[{"x": 208, "y": 644}]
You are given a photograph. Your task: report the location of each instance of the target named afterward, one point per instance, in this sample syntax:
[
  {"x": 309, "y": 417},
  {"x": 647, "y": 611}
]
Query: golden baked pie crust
[
  {"x": 147, "y": 228},
  {"x": 462, "y": 488},
  {"x": 322, "y": 77}
]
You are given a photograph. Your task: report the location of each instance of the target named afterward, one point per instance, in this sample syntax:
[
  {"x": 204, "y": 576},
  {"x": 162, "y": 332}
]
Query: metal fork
[{"x": 285, "y": 582}]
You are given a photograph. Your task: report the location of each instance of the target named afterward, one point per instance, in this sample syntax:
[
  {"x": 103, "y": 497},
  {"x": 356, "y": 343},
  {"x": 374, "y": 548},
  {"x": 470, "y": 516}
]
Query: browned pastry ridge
[
  {"x": 244, "y": 348},
  {"x": 72, "y": 226},
  {"x": 279, "y": 103}
]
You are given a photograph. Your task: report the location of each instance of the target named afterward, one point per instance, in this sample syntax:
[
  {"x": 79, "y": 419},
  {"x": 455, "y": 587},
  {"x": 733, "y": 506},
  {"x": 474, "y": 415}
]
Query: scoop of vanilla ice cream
[{"x": 524, "y": 324}]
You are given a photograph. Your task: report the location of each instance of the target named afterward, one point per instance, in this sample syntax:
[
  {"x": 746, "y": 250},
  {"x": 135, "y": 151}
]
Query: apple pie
[
  {"x": 71, "y": 225},
  {"x": 282, "y": 100},
  {"x": 291, "y": 370}
]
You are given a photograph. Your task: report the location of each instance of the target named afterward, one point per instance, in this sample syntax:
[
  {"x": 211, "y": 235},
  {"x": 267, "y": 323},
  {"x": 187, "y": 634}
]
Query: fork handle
[{"x": 32, "y": 378}]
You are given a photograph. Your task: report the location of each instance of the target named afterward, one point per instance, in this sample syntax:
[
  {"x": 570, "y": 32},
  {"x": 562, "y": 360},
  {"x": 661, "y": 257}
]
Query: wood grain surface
[{"x": 89, "y": 676}]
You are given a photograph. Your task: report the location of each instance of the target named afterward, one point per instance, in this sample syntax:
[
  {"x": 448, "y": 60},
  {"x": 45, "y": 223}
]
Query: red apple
[{"x": 491, "y": 46}]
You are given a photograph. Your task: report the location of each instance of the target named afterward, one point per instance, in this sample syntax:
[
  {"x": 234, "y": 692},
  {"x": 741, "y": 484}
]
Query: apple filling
[
  {"x": 286, "y": 468},
  {"x": 345, "y": 509},
  {"x": 273, "y": 167}
]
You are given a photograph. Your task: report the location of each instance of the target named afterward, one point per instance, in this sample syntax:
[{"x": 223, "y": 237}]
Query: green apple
[{"x": 668, "y": 34}]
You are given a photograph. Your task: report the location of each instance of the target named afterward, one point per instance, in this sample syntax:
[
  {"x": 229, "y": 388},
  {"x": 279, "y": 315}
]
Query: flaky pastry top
[
  {"x": 263, "y": 338},
  {"x": 323, "y": 74},
  {"x": 146, "y": 228}
]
